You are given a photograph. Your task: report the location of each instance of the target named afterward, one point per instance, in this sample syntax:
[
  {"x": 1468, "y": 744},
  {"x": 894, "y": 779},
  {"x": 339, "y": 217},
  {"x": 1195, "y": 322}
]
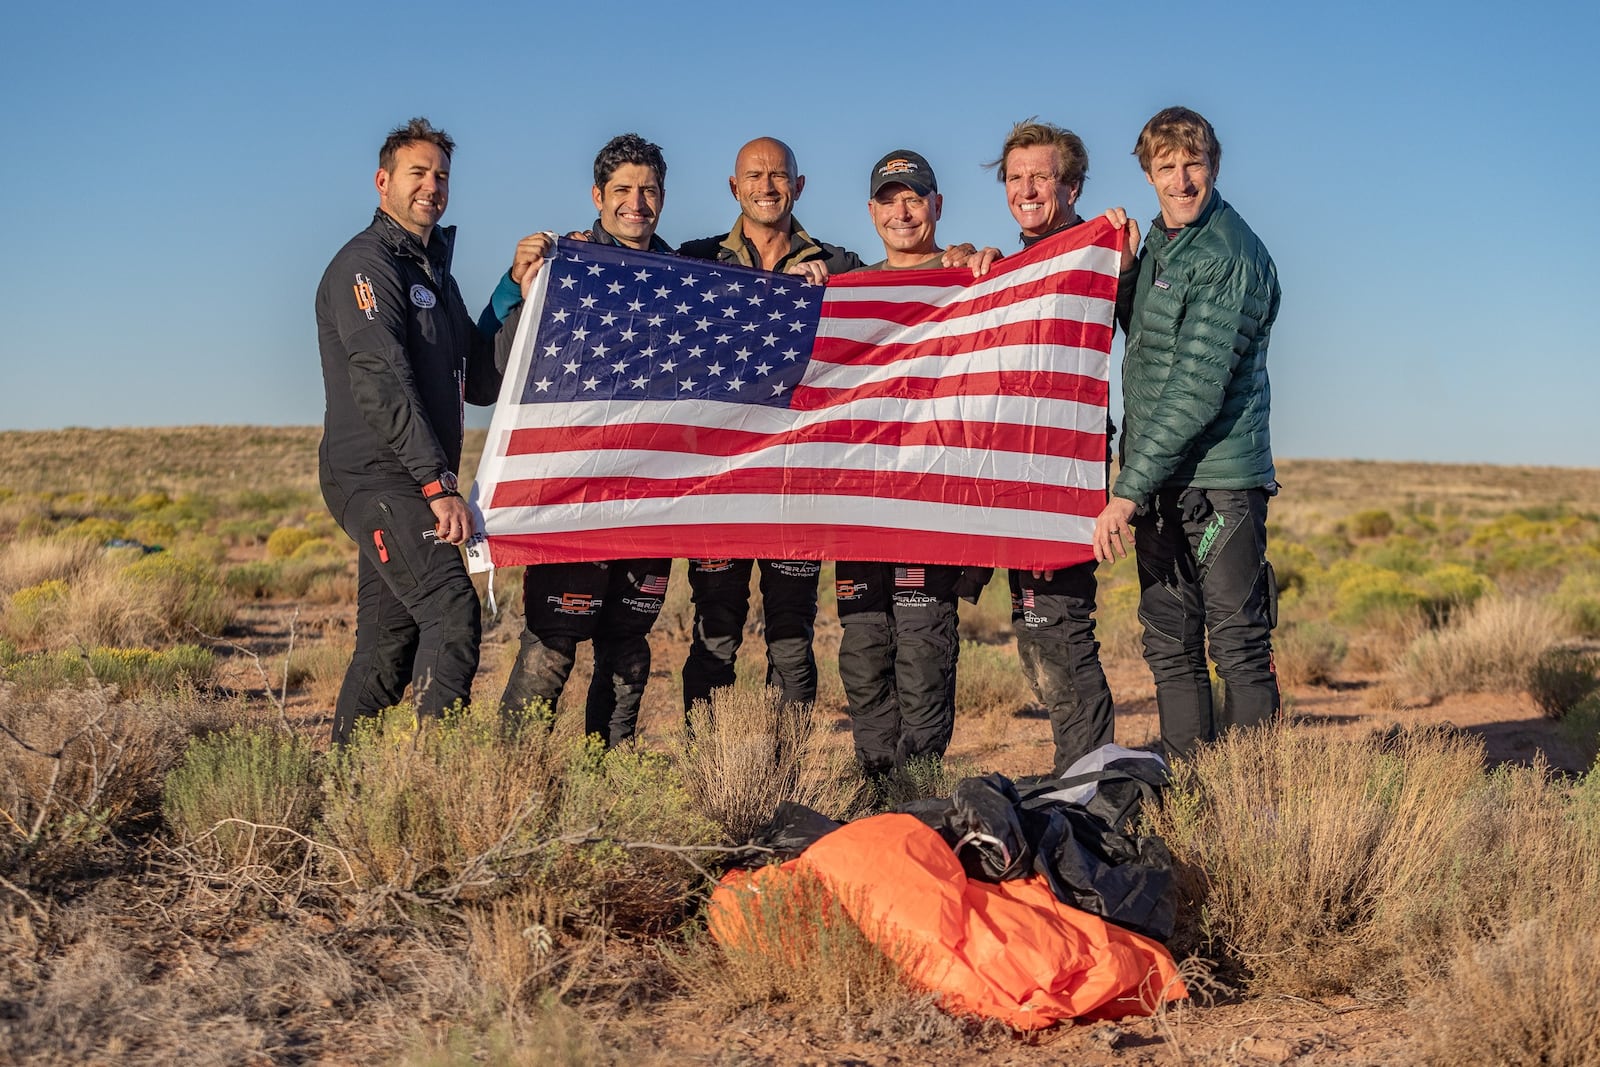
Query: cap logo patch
[
  {"x": 423, "y": 297},
  {"x": 898, "y": 166}
]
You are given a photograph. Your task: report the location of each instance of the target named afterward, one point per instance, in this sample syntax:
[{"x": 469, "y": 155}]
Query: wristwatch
[{"x": 444, "y": 485}]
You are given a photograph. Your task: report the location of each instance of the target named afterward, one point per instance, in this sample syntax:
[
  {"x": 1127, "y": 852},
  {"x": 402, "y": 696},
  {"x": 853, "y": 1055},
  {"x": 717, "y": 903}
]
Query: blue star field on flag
[{"x": 620, "y": 324}]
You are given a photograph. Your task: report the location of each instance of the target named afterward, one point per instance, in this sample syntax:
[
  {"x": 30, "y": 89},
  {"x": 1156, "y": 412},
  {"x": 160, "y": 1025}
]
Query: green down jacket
[{"x": 1194, "y": 377}]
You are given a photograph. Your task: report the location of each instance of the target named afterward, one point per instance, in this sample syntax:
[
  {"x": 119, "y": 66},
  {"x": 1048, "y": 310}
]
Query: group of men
[{"x": 402, "y": 356}]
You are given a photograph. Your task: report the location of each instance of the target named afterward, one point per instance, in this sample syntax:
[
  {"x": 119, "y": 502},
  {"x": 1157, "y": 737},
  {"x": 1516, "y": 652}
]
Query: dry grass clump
[
  {"x": 1563, "y": 678},
  {"x": 30, "y": 561},
  {"x": 112, "y": 601},
  {"x": 277, "y": 998},
  {"x": 989, "y": 620},
  {"x": 244, "y": 797},
  {"x": 748, "y": 751},
  {"x": 989, "y": 680},
  {"x": 455, "y": 811},
  {"x": 76, "y": 770},
  {"x": 1529, "y": 991},
  {"x": 547, "y": 1033},
  {"x": 790, "y": 940},
  {"x": 1490, "y": 649},
  {"x": 1318, "y": 865},
  {"x": 1307, "y": 653}
]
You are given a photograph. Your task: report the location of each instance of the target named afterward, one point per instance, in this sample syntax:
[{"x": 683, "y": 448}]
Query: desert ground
[{"x": 1454, "y": 608}]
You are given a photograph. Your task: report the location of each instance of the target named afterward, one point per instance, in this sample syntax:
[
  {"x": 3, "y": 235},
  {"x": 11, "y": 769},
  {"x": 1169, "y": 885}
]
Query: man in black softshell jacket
[{"x": 401, "y": 357}]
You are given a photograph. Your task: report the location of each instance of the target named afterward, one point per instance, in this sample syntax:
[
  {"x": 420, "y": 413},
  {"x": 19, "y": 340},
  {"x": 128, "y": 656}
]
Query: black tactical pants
[
  {"x": 417, "y": 615},
  {"x": 1054, "y": 621},
  {"x": 614, "y": 604},
  {"x": 1203, "y": 574},
  {"x": 721, "y": 591},
  {"x": 897, "y": 659}
]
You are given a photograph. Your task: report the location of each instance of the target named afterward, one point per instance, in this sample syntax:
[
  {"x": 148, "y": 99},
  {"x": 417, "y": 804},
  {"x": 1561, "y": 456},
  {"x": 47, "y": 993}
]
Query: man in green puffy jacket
[{"x": 1197, "y": 306}]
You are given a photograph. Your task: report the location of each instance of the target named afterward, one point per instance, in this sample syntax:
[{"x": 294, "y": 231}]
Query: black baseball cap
[{"x": 903, "y": 167}]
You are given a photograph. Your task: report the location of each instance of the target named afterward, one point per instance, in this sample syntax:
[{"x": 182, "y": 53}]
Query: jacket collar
[
  {"x": 1029, "y": 242},
  {"x": 435, "y": 255},
  {"x": 738, "y": 248},
  {"x": 601, "y": 236},
  {"x": 1157, "y": 235}
]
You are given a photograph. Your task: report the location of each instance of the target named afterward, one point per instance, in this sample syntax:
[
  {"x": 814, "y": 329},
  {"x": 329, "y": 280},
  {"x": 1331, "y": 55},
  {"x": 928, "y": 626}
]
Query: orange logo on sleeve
[{"x": 366, "y": 299}]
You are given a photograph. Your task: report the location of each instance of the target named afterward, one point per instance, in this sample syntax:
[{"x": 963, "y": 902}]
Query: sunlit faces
[
  {"x": 1183, "y": 181},
  {"x": 765, "y": 184},
  {"x": 1039, "y": 200},
  {"x": 630, "y": 204},
  {"x": 416, "y": 191},
  {"x": 906, "y": 220}
]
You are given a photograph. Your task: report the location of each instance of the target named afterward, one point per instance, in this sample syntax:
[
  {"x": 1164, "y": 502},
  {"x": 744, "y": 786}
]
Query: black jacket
[
  {"x": 400, "y": 358},
  {"x": 732, "y": 247}
]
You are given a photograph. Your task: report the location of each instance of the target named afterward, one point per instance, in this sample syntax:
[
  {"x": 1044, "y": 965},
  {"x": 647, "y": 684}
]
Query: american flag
[
  {"x": 659, "y": 406},
  {"x": 910, "y": 577}
]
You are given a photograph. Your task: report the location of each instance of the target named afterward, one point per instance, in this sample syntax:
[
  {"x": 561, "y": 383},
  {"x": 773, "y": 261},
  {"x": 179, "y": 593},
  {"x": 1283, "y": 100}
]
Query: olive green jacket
[{"x": 1194, "y": 376}]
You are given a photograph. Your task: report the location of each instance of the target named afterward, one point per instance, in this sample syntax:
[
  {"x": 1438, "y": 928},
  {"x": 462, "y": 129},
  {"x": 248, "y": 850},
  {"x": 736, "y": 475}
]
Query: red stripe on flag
[
  {"x": 792, "y": 481},
  {"x": 714, "y": 441},
  {"x": 801, "y": 541},
  {"x": 1045, "y": 384},
  {"x": 1080, "y": 283},
  {"x": 1063, "y": 333}
]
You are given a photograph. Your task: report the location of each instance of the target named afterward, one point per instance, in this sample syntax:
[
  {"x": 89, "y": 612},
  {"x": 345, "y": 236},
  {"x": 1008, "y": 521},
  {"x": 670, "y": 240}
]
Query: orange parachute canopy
[{"x": 1009, "y": 950}]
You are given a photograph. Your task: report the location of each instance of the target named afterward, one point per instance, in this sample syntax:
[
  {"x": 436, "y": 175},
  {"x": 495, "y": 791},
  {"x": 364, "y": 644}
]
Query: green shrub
[
  {"x": 1372, "y": 523},
  {"x": 248, "y": 796},
  {"x": 1561, "y": 679},
  {"x": 97, "y": 530},
  {"x": 1581, "y": 727},
  {"x": 1366, "y": 594},
  {"x": 1312, "y": 864},
  {"x": 141, "y": 670},
  {"x": 1578, "y": 598},
  {"x": 251, "y": 531},
  {"x": 1400, "y": 553},
  {"x": 183, "y": 594},
  {"x": 1308, "y": 653},
  {"x": 283, "y": 541},
  {"x": 36, "y": 609},
  {"x": 453, "y": 810},
  {"x": 152, "y": 532},
  {"x": 133, "y": 671},
  {"x": 150, "y": 500},
  {"x": 1450, "y": 588}
]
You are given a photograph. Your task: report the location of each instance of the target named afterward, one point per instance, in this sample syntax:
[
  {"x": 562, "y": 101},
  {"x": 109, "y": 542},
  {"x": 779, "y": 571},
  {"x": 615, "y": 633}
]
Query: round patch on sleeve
[{"x": 423, "y": 297}]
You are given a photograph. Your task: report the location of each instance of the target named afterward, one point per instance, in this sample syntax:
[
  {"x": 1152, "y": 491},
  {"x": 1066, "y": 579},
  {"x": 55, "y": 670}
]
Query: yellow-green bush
[
  {"x": 1561, "y": 679},
  {"x": 36, "y": 609},
  {"x": 133, "y": 671},
  {"x": 245, "y": 796},
  {"x": 1366, "y": 594},
  {"x": 97, "y": 529},
  {"x": 1371, "y": 523},
  {"x": 455, "y": 807},
  {"x": 285, "y": 539},
  {"x": 1450, "y": 588},
  {"x": 150, "y": 500},
  {"x": 183, "y": 594},
  {"x": 152, "y": 532},
  {"x": 1578, "y": 598}
]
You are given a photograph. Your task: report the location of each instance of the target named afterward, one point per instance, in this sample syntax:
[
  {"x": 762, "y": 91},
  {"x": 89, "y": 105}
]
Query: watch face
[{"x": 448, "y": 482}]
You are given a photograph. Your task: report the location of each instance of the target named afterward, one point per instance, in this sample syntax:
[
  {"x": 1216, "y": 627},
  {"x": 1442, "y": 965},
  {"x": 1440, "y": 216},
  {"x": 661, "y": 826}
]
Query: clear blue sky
[{"x": 178, "y": 176}]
